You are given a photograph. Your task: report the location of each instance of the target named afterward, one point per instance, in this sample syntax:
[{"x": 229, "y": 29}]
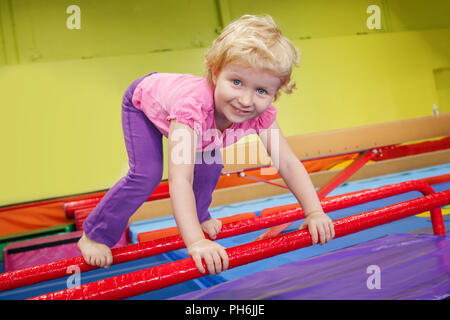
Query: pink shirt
[{"x": 190, "y": 100}]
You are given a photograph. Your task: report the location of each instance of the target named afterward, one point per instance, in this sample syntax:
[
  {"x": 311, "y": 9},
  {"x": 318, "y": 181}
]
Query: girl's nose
[{"x": 246, "y": 99}]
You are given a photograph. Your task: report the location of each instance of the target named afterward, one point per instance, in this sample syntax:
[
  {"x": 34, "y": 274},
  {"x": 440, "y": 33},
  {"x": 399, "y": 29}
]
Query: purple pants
[{"x": 143, "y": 141}]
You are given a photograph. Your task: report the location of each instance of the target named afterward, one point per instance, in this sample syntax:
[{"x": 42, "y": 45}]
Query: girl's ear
[{"x": 215, "y": 75}]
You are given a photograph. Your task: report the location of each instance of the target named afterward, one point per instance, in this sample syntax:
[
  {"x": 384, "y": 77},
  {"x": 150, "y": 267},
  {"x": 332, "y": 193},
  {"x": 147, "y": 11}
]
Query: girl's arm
[
  {"x": 181, "y": 160},
  {"x": 298, "y": 181}
]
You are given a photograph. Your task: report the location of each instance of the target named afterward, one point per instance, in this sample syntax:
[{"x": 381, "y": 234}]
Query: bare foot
[{"x": 95, "y": 253}]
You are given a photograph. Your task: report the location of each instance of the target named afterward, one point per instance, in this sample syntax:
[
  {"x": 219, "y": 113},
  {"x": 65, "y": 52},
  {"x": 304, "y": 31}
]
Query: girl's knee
[{"x": 144, "y": 181}]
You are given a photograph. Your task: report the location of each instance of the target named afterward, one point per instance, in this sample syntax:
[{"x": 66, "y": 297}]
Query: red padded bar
[
  {"x": 417, "y": 185},
  {"x": 172, "y": 231}
]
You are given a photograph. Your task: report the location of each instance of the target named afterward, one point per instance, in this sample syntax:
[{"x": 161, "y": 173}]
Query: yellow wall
[{"x": 61, "y": 89}]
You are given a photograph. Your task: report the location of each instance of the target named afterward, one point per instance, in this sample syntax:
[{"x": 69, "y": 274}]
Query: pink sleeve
[
  {"x": 188, "y": 111},
  {"x": 265, "y": 120}
]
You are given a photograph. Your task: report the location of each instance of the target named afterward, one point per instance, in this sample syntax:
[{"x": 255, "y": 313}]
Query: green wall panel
[
  {"x": 419, "y": 14},
  {"x": 311, "y": 18},
  {"x": 110, "y": 27}
]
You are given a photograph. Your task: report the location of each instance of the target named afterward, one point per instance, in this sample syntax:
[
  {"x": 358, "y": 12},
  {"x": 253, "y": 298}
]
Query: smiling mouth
[{"x": 239, "y": 111}]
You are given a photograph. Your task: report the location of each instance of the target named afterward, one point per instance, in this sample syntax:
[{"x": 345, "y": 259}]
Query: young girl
[{"x": 246, "y": 68}]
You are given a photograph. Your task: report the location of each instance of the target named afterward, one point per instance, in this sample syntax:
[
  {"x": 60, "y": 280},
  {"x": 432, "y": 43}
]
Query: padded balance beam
[
  {"x": 58, "y": 269},
  {"x": 142, "y": 281}
]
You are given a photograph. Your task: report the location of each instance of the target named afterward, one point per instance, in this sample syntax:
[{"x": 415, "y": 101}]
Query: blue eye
[
  {"x": 261, "y": 91},
  {"x": 237, "y": 82}
]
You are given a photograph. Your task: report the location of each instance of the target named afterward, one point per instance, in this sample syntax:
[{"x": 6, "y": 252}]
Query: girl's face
[{"x": 242, "y": 93}]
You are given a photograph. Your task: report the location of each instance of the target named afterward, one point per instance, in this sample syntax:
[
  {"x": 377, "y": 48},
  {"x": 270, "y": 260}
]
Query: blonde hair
[{"x": 254, "y": 41}]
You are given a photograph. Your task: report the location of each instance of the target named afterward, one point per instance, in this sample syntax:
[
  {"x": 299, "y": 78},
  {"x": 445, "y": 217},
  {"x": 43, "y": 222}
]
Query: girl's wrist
[
  {"x": 194, "y": 241},
  {"x": 314, "y": 212}
]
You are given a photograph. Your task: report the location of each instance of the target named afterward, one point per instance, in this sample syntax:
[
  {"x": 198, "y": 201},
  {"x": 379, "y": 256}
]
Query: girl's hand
[
  {"x": 319, "y": 224},
  {"x": 213, "y": 253},
  {"x": 212, "y": 227}
]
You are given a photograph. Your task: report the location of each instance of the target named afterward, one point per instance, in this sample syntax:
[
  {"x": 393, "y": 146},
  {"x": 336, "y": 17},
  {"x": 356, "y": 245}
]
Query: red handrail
[
  {"x": 349, "y": 200},
  {"x": 58, "y": 269},
  {"x": 142, "y": 281}
]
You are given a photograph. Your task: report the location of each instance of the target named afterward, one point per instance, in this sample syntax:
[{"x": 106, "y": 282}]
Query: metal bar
[
  {"x": 326, "y": 189},
  {"x": 347, "y": 173},
  {"x": 243, "y": 175}
]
